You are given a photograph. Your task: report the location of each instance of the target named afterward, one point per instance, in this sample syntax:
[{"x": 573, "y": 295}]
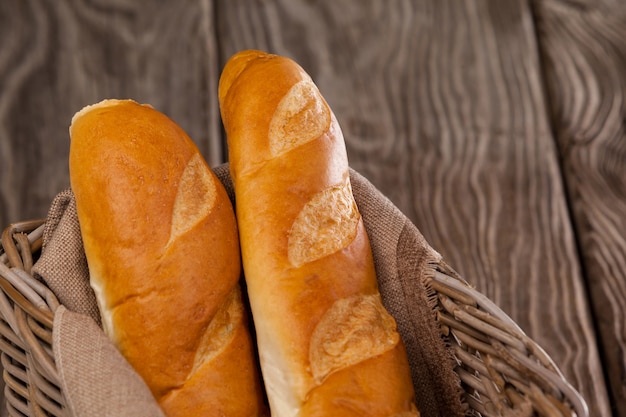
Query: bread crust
[
  {"x": 305, "y": 249},
  {"x": 162, "y": 246}
]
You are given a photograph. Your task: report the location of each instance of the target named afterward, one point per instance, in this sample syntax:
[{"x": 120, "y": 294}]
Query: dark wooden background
[{"x": 497, "y": 126}]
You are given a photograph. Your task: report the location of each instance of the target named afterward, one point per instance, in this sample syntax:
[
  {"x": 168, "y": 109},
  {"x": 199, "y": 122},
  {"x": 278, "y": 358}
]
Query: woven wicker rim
[
  {"x": 503, "y": 371},
  {"x": 496, "y": 358},
  {"x": 27, "y": 310}
]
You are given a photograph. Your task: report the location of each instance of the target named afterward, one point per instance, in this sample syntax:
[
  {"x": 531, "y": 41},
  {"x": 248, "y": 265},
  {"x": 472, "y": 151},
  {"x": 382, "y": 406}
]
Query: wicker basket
[{"x": 503, "y": 372}]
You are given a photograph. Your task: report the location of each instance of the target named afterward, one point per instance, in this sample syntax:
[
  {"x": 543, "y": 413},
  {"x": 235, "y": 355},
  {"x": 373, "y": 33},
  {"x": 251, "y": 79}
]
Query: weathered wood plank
[
  {"x": 442, "y": 108},
  {"x": 56, "y": 57},
  {"x": 583, "y": 47}
]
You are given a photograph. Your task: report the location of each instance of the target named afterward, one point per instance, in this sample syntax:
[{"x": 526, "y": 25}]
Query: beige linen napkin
[
  {"x": 96, "y": 379},
  {"x": 62, "y": 264},
  {"x": 93, "y": 373}
]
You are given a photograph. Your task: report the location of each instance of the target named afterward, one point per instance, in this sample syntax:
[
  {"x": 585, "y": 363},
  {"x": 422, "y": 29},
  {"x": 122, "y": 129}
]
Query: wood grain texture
[
  {"x": 442, "y": 107},
  {"x": 56, "y": 57},
  {"x": 584, "y": 52}
]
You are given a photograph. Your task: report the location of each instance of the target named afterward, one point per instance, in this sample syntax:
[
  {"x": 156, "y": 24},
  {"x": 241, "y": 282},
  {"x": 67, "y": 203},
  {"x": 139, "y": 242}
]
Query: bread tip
[
  {"x": 108, "y": 102},
  {"x": 235, "y": 65}
]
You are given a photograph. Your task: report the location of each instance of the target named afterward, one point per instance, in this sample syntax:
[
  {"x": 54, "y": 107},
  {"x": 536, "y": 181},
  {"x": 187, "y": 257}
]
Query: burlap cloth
[{"x": 98, "y": 382}]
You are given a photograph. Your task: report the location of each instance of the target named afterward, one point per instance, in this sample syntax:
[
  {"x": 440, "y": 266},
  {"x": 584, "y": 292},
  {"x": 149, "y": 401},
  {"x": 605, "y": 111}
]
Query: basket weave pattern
[
  {"x": 27, "y": 308},
  {"x": 503, "y": 372}
]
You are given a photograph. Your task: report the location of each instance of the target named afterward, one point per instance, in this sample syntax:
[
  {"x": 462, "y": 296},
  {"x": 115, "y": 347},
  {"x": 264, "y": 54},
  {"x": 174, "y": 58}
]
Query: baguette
[
  {"x": 161, "y": 243},
  {"x": 327, "y": 345}
]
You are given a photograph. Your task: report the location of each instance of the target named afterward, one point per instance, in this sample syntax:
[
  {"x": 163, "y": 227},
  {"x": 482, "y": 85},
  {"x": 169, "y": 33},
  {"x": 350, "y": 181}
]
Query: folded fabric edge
[{"x": 96, "y": 379}]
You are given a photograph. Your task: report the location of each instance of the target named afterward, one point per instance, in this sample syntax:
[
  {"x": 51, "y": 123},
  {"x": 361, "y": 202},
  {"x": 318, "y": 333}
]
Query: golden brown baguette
[
  {"x": 327, "y": 345},
  {"x": 161, "y": 242}
]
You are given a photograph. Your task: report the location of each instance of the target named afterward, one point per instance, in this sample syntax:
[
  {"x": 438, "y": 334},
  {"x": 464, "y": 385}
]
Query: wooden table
[{"x": 498, "y": 127}]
